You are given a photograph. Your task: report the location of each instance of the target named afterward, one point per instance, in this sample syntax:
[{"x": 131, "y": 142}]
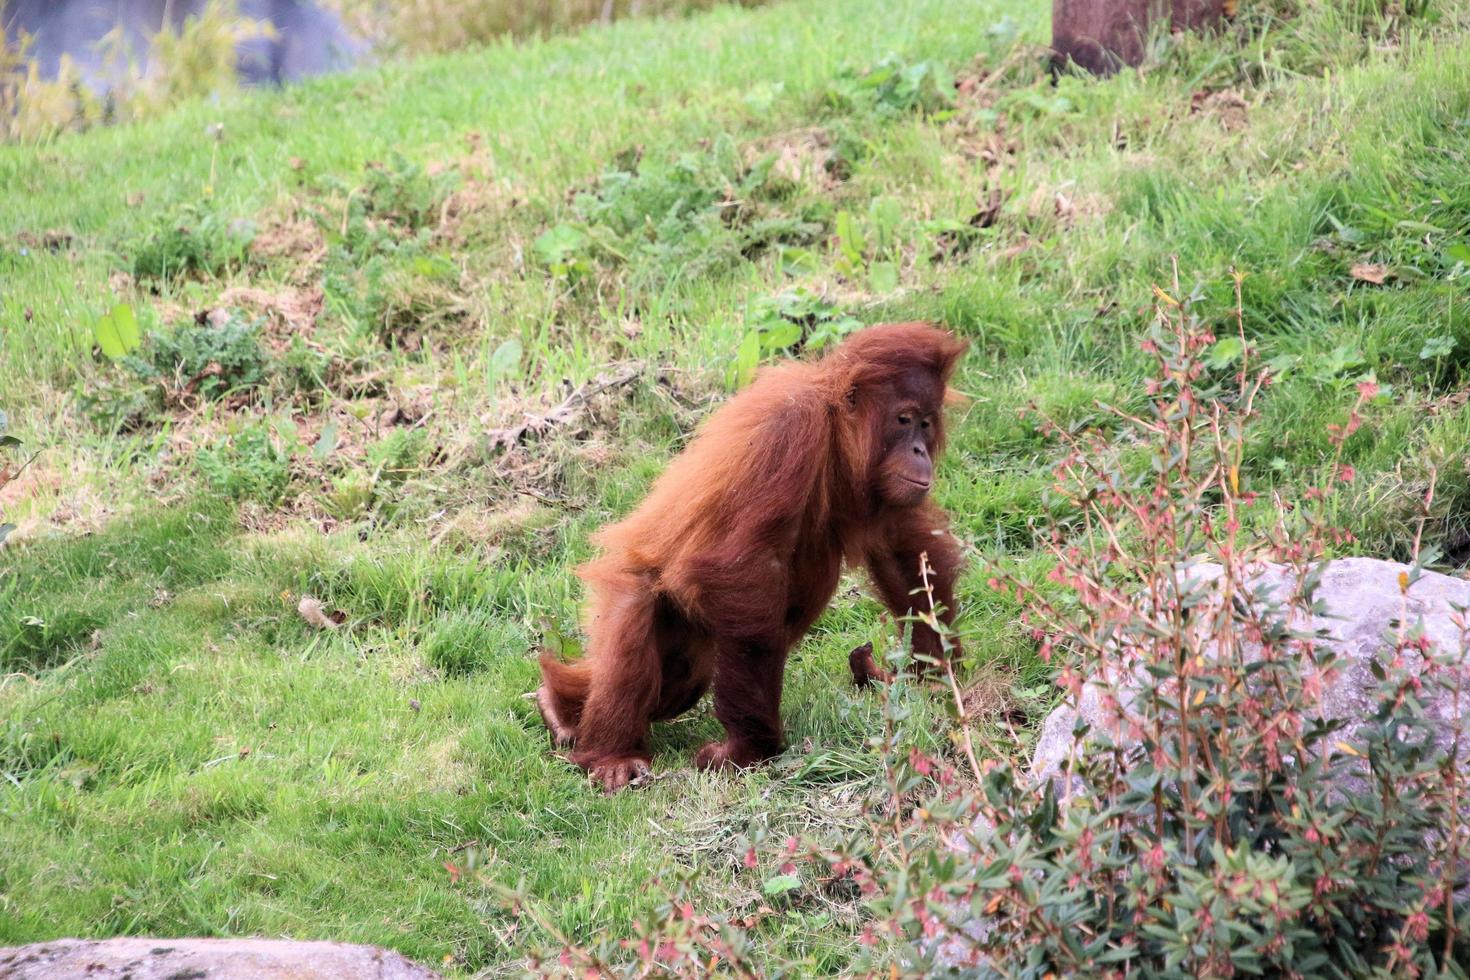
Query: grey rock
[
  {"x": 308, "y": 40},
  {"x": 204, "y": 959},
  {"x": 1361, "y": 600}
]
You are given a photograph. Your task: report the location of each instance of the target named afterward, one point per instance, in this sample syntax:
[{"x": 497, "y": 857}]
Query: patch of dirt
[
  {"x": 1227, "y": 106},
  {"x": 975, "y": 132},
  {"x": 421, "y": 313},
  {"x": 803, "y": 156},
  {"x": 1066, "y": 205},
  {"x": 288, "y": 311},
  {"x": 975, "y": 86},
  {"x": 350, "y": 428},
  {"x": 951, "y": 244},
  {"x": 50, "y": 240},
  {"x": 356, "y": 426},
  {"x": 294, "y": 238},
  {"x": 481, "y": 194},
  {"x": 440, "y": 766},
  {"x": 534, "y": 450},
  {"x": 562, "y": 417},
  {"x": 1445, "y": 404},
  {"x": 1370, "y": 272},
  {"x": 121, "y": 283},
  {"x": 987, "y": 696},
  {"x": 25, "y": 485},
  {"x": 1014, "y": 250},
  {"x": 475, "y": 527},
  {"x": 43, "y": 498},
  {"x": 987, "y": 144}
]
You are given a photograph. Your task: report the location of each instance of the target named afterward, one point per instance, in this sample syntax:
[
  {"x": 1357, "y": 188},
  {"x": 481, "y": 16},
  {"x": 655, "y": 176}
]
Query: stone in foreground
[
  {"x": 1362, "y": 598},
  {"x": 204, "y": 959}
]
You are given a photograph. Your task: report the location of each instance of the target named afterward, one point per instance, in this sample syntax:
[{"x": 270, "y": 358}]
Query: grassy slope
[{"x": 147, "y": 657}]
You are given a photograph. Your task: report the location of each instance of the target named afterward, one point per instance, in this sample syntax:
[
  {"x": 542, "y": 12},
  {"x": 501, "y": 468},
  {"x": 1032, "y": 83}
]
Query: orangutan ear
[{"x": 954, "y": 349}]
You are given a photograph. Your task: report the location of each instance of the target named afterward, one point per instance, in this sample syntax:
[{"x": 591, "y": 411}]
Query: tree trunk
[{"x": 1101, "y": 36}]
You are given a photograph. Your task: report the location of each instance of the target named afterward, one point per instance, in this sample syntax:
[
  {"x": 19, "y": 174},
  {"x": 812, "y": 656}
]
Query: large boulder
[
  {"x": 1360, "y": 598},
  {"x": 306, "y": 39},
  {"x": 204, "y": 959}
]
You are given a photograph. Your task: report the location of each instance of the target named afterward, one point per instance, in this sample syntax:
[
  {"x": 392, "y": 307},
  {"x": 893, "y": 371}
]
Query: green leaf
[
  {"x": 1282, "y": 365},
  {"x": 747, "y": 358},
  {"x": 885, "y": 213},
  {"x": 1224, "y": 353},
  {"x": 431, "y": 267},
  {"x": 1459, "y": 252},
  {"x": 506, "y": 360},
  {"x": 780, "y": 335},
  {"x": 883, "y": 277},
  {"x": 326, "y": 442},
  {"x": 555, "y": 245},
  {"x": 781, "y": 884},
  {"x": 558, "y": 643},
  {"x": 127, "y": 325},
  {"x": 849, "y": 239},
  {"x": 286, "y": 429},
  {"x": 1436, "y": 347},
  {"x": 8, "y": 441},
  {"x": 117, "y": 332},
  {"x": 798, "y": 261}
]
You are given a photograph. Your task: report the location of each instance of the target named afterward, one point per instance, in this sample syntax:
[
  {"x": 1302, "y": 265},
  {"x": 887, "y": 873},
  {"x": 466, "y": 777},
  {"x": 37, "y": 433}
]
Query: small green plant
[
  {"x": 204, "y": 359},
  {"x": 873, "y": 254},
  {"x": 1042, "y": 100},
  {"x": 793, "y": 320},
  {"x": 694, "y": 215},
  {"x": 383, "y": 273},
  {"x": 305, "y": 371},
  {"x": 120, "y": 402},
  {"x": 460, "y": 644},
  {"x": 399, "y": 454},
  {"x": 191, "y": 240},
  {"x": 894, "y": 87},
  {"x": 566, "y": 251},
  {"x": 403, "y": 192},
  {"x": 196, "y": 361},
  {"x": 251, "y": 463},
  {"x": 350, "y": 496},
  {"x": 505, "y": 361}
]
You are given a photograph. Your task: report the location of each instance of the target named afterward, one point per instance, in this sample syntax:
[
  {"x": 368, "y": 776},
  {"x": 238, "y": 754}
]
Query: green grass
[{"x": 183, "y": 753}]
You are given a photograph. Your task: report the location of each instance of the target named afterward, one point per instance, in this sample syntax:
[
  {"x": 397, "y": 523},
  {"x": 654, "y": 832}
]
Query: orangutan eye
[
  {"x": 905, "y": 419},
  {"x": 923, "y": 423}
]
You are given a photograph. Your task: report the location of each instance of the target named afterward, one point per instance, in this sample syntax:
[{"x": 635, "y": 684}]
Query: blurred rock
[
  {"x": 308, "y": 40},
  {"x": 204, "y": 959},
  {"x": 1360, "y": 599}
]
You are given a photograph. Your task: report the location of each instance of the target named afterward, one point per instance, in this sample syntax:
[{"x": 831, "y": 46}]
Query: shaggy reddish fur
[{"x": 738, "y": 547}]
